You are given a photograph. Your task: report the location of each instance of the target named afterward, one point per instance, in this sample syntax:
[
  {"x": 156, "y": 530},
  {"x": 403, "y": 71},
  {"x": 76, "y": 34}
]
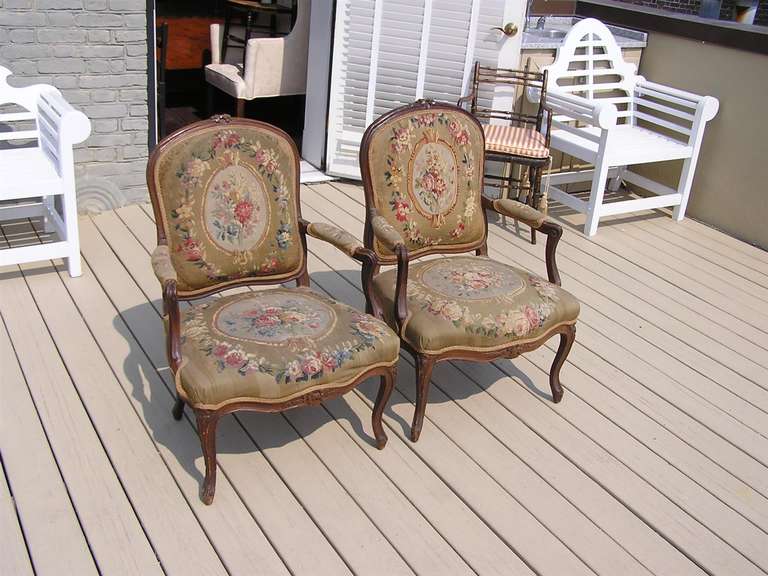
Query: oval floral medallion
[
  {"x": 433, "y": 176},
  {"x": 275, "y": 318},
  {"x": 470, "y": 279},
  {"x": 236, "y": 209}
]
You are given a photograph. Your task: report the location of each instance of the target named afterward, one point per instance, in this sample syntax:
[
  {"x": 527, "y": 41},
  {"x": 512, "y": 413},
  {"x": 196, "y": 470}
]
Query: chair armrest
[
  {"x": 339, "y": 238},
  {"x": 708, "y": 105},
  {"x": 386, "y": 233},
  {"x": 519, "y": 211},
  {"x": 166, "y": 273},
  {"x": 537, "y": 220},
  {"x": 391, "y": 238},
  {"x": 163, "y": 266},
  {"x": 600, "y": 114}
]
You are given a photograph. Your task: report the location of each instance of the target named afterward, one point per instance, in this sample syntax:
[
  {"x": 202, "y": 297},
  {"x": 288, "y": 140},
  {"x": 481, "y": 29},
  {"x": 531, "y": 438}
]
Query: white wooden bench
[
  {"x": 37, "y": 166},
  {"x": 608, "y": 116}
]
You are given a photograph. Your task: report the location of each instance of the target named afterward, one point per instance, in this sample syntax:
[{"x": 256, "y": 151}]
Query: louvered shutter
[{"x": 388, "y": 53}]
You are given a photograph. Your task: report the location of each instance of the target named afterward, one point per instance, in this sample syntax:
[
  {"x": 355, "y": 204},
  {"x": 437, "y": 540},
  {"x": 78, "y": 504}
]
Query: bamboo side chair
[{"x": 513, "y": 136}]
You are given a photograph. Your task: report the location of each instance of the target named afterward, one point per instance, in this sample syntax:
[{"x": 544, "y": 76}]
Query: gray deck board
[{"x": 654, "y": 463}]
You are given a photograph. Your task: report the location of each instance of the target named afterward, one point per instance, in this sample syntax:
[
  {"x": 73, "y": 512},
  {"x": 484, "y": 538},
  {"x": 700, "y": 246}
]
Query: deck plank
[
  {"x": 14, "y": 558},
  {"x": 114, "y": 533},
  {"x": 302, "y": 546},
  {"x": 176, "y": 536},
  {"x": 370, "y": 548},
  {"x": 51, "y": 527},
  {"x": 655, "y": 461},
  {"x": 613, "y": 519},
  {"x": 705, "y": 503}
]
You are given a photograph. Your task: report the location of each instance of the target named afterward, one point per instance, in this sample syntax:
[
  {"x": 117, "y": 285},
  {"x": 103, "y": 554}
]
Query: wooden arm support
[
  {"x": 538, "y": 221},
  {"x": 166, "y": 274},
  {"x": 385, "y": 233}
]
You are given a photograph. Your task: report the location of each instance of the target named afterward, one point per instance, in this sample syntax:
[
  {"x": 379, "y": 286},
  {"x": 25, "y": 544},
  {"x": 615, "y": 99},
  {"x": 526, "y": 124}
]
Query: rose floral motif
[
  {"x": 432, "y": 183},
  {"x": 274, "y": 319},
  {"x": 517, "y": 322},
  {"x": 310, "y": 363},
  {"x": 237, "y": 209}
]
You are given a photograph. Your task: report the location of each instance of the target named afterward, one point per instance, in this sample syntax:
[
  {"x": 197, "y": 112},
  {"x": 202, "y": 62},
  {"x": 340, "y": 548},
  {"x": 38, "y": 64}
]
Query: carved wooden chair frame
[
  {"x": 425, "y": 362},
  {"x": 207, "y": 419}
]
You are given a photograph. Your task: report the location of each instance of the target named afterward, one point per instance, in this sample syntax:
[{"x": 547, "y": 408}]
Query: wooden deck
[{"x": 654, "y": 463}]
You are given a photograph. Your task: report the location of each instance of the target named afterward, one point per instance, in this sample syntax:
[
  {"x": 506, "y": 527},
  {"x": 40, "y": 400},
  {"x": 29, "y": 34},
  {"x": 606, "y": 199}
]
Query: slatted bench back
[{"x": 589, "y": 64}]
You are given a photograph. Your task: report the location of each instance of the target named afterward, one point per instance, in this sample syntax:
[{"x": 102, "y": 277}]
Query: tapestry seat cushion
[
  {"x": 474, "y": 303},
  {"x": 515, "y": 140},
  {"x": 274, "y": 345}
]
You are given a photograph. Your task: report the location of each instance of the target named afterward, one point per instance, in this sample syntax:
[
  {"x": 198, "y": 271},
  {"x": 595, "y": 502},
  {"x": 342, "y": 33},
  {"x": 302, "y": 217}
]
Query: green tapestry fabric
[
  {"x": 228, "y": 203},
  {"x": 274, "y": 345},
  {"x": 476, "y": 303},
  {"x": 426, "y": 172}
]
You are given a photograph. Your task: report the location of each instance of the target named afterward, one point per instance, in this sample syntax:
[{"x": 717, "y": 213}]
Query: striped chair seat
[{"x": 515, "y": 140}]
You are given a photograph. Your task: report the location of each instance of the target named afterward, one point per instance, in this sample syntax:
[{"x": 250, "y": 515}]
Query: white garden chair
[
  {"x": 37, "y": 165},
  {"x": 608, "y": 116}
]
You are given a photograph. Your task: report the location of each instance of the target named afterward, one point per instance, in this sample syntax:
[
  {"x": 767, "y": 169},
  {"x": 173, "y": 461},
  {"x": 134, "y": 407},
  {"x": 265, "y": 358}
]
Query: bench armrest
[
  {"x": 708, "y": 105},
  {"x": 600, "y": 114}
]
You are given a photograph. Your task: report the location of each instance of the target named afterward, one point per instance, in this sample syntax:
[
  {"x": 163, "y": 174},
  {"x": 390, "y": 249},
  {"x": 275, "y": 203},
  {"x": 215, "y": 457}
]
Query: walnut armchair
[
  {"x": 226, "y": 199},
  {"x": 422, "y": 168}
]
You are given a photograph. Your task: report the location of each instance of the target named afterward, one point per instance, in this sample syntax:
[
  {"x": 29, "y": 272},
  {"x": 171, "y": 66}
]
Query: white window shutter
[{"x": 388, "y": 53}]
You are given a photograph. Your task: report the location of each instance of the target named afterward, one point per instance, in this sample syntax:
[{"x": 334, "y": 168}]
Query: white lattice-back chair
[
  {"x": 37, "y": 166},
  {"x": 608, "y": 116}
]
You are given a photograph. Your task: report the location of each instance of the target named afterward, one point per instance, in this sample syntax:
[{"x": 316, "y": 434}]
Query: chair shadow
[{"x": 156, "y": 397}]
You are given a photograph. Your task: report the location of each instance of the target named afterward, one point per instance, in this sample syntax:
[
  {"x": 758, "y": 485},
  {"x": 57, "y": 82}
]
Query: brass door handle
[{"x": 508, "y": 30}]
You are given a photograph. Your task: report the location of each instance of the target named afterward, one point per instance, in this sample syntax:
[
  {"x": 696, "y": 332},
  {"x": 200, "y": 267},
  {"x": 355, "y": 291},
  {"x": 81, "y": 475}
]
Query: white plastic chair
[
  {"x": 273, "y": 66},
  {"x": 608, "y": 116},
  {"x": 39, "y": 163}
]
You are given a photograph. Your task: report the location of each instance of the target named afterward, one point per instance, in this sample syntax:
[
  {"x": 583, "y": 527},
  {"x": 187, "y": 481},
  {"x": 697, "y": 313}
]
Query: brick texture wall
[
  {"x": 692, "y": 7},
  {"x": 95, "y": 52}
]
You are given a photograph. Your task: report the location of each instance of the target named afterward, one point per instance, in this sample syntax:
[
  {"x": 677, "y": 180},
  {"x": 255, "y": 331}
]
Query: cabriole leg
[
  {"x": 385, "y": 391},
  {"x": 424, "y": 366},
  {"x": 566, "y": 341},
  {"x": 206, "y": 428}
]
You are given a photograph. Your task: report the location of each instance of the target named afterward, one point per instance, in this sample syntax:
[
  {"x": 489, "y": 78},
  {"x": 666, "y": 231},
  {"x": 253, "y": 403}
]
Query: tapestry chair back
[
  {"x": 226, "y": 203},
  {"x": 423, "y": 172}
]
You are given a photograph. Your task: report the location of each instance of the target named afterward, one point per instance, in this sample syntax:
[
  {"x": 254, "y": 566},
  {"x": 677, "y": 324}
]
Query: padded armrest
[
  {"x": 519, "y": 211},
  {"x": 385, "y": 233},
  {"x": 600, "y": 114},
  {"x": 339, "y": 238},
  {"x": 162, "y": 265}
]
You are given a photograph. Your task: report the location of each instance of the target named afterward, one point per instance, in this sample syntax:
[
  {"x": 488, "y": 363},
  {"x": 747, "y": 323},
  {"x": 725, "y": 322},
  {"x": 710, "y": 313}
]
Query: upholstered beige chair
[
  {"x": 273, "y": 66},
  {"x": 422, "y": 168},
  {"x": 226, "y": 200}
]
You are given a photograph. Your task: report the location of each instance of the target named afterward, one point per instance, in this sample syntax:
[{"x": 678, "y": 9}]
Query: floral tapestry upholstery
[
  {"x": 426, "y": 174},
  {"x": 228, "y": 205},
  {"x": 473, "y": 302},
  {"x": 274, "y": 345}
]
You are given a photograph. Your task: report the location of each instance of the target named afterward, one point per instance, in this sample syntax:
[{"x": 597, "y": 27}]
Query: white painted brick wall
[{"x": 95, "y": 52}]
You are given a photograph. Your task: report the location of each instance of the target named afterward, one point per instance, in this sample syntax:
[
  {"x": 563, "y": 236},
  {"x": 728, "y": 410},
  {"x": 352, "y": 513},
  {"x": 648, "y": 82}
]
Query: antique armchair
[
  {"x": 226, "y": 199},
  {"x": 422, "y": 168},
  {"x": 513, "y": 134}
]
